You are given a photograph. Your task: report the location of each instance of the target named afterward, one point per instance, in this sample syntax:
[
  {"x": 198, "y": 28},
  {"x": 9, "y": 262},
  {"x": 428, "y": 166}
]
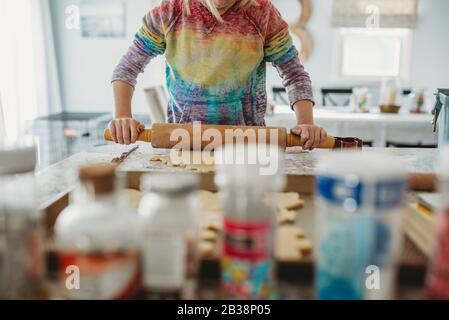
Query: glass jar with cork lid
[{"x": 97, "y": 238}]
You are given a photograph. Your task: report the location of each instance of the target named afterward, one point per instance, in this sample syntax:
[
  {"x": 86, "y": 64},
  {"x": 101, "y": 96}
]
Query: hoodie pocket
[{"x": 214, "y": 113}]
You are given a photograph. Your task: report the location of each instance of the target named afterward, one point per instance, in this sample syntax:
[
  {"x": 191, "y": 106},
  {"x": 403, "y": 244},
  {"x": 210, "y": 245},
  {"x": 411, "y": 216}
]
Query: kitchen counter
[
  {"x": 57, "y": 180},
  {"x": 54, "y": 182}
]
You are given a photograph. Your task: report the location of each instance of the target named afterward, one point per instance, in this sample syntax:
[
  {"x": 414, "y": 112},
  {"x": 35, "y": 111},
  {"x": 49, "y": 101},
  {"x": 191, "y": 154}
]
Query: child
[{"x": 216, "y": 53}]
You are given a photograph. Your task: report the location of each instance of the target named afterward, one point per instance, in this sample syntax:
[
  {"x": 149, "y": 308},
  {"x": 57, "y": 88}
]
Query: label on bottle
[
  {"x": 100, "y": 276},
  {"x": 247, "y": 265},
  {"x": 164, "y": 262}
]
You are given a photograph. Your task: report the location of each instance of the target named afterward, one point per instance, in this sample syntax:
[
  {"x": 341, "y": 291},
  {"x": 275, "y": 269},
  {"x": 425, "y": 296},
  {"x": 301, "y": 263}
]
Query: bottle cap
[
  {"x": 367, "y": 166},
  {"x": 172, "y": 183},
  {"x": 100, "y": 179},
  {"x": 17, "y": 158},
  {"x": 250, "y": 165}
]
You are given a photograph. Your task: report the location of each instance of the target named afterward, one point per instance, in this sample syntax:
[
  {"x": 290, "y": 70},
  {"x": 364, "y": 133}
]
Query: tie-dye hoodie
[{"x": 216, "y": 70}]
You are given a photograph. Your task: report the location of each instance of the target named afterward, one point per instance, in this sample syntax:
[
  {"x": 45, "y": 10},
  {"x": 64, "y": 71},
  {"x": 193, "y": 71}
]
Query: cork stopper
[{"x": 99, "y": 179}]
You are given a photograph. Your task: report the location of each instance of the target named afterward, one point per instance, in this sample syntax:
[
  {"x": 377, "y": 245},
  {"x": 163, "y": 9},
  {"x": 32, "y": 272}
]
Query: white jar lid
[
  {"x": 17, "y": 159},
  {"x": 366, "y": 165},
  {"x": 173, "y": 183},
  {"x": 250, "y": 165}
]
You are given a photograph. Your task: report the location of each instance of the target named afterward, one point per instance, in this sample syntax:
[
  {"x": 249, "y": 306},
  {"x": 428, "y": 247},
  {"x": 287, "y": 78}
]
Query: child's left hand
[{"x": 311, "y": 136}]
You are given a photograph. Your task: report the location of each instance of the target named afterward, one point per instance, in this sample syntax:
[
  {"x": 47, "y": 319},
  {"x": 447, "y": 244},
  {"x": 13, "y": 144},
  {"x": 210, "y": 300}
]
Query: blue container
[{"x": 359, "y": 202}]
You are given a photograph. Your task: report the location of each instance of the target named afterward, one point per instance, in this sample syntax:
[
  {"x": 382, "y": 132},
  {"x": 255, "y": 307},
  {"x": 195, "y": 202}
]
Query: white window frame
[{"x": 337, "y": 58}]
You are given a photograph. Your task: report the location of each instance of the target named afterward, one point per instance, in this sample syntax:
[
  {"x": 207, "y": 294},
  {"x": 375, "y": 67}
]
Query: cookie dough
[
  {"x": 190, "y": 160},
  {"x": 291, "y": 244}
]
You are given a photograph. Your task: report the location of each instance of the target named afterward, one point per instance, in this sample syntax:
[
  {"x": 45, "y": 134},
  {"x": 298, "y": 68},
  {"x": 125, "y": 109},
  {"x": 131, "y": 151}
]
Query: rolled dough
[{"x": 191, "y": 160}]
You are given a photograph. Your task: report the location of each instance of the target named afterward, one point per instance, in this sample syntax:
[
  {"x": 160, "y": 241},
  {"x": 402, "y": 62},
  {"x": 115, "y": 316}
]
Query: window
[{"x": 364, "y": 54}]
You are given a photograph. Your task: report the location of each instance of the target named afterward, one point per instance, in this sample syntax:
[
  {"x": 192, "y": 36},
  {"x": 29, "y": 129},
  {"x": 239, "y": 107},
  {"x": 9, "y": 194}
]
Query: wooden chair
[
  {"x": 280, "y": 95},
  {"x": 391, "y": 144},
  {"x": 157, "y": 102},
  {"x": 328, "y": 93}
]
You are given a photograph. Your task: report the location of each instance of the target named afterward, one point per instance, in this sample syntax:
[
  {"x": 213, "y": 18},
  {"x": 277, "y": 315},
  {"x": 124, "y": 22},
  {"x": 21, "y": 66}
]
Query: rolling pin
[{"x": 167, "y": 136}]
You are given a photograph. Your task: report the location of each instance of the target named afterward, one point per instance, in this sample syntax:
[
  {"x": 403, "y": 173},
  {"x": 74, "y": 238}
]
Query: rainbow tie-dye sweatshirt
[{"x": 216, "y": 70}]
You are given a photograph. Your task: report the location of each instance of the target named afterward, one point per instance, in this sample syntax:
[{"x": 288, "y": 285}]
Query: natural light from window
[{"x": 373, "y": 53}]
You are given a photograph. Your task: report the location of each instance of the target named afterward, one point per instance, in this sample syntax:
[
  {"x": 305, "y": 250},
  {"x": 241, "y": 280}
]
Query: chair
[
  {"x": 391, "y": 144},
  {"x": 157, "y": 101},
  {"x": 280, "y": 95},
  {"x": 328, "y": 95}
]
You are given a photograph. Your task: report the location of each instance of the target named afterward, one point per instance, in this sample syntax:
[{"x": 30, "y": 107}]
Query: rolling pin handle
[
  {"x": 295, "y": 141},
  {"x": 145, "y": 135}
]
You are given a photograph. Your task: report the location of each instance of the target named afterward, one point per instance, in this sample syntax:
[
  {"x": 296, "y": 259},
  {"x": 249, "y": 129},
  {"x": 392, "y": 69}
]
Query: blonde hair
[{"x": 210, "y": 4}]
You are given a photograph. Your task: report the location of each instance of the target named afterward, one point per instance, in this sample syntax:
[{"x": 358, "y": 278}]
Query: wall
[{"x": 86, "y": 64}]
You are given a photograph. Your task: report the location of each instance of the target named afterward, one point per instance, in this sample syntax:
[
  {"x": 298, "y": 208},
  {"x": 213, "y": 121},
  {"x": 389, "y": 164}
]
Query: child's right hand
[{"x": 125, "y": 130}]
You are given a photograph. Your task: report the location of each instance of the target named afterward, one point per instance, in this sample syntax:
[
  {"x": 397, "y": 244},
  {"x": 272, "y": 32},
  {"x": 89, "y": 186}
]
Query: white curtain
[{"x": 29, "y": 85}]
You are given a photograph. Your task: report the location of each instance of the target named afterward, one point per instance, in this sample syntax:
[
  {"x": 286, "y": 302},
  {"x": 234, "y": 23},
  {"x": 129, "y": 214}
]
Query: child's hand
[
  {"x": 125, "y": 130},
  {"x": 311, "y": 136}
]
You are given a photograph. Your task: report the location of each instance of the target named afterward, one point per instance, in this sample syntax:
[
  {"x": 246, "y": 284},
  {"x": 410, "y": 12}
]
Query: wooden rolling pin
[{"x": 165, "y": 136}]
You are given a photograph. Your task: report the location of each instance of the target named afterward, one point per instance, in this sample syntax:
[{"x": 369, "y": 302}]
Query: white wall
[{"x": 86, "y": 64}]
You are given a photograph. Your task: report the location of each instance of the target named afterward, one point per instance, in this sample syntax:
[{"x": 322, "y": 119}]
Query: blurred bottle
[
  {"x": 247, "y": 257},
  {"x": 97, "y": 238},
  {"x": 22, "y": 256},
  {"x": 438, "y": 277},
  {"x": 359, "y": 197},
  {"x": 390, "y": 92},
  {"x": 360, "y": 100},
  {"x": 170, "y": 218}
]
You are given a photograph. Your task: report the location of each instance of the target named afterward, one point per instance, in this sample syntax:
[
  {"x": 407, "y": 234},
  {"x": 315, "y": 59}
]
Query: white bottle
[
  {"x": 98, "y": 241},
  {"x": 169, "y": 211}
]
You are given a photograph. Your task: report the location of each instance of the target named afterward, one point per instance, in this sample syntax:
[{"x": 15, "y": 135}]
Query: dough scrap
[
  {"x": 290, "y": 244},
  {"x": 289, "y": 201},
  {"x": 160, "y": 158},
  {"x": 187, "y": 160},
  {"x": 286, "y": 217}
]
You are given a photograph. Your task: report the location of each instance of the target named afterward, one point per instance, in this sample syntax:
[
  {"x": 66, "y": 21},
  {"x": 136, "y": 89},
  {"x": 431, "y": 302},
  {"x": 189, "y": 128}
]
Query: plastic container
[
  {"x": 359, "y": 207},
  {"x": 170, "y": 218},
  {"x": 22, "y": 257},
  {"x": 247, "y": 263},
  {"x": 98, "y": 240}
]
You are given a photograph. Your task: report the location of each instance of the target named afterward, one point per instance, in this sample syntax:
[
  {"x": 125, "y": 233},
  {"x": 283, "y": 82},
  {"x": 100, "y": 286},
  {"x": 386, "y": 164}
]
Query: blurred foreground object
[
  {"x": 22, "y": 263},
  {"x": 247, "y": 257},
  {"x": 358, "y": 220},
  {"x": 97, "y": 239},
  {"x": 438, "y": 279},
  {"x": 170, "y": 216}
]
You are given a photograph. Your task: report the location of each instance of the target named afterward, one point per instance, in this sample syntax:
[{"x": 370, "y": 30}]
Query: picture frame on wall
[{"x": 103, "y": 18}]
